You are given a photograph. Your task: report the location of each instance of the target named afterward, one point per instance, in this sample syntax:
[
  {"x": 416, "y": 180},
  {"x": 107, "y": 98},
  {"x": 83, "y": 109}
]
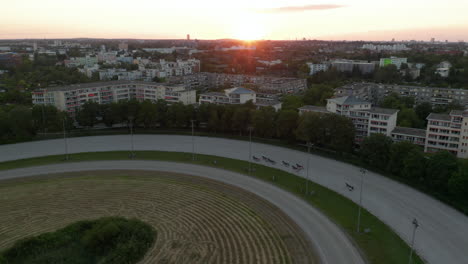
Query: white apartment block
[
  {"x": 393, "y": 61},
  {"x": 237, "y": 95},
  {"x": 394, "y": 47},
  {"x": 317, "y": 67},
  {"x": 367, "y": 120},
  {"x": 448, "y": 132},
  {"x": 86, "y": 61},
  {"x": 413, "y": 135},
  {"x": 71, "y": 98}
]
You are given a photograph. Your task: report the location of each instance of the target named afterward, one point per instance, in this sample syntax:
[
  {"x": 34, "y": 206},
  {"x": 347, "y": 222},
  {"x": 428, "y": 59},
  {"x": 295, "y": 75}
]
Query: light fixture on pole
[
  {"x": 65, "y": 139},
  {"x": 132, "y": 153},
  {"x": 309, "y": 145},
  {"x": 193, "y": 140},
  {"x": 250, "y": 128}
]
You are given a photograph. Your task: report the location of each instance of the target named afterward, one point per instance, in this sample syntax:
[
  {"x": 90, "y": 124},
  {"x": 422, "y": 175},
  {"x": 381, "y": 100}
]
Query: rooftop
[
  {"x": 385, "y": 111},
  {"x": 97, "y": 84},
  {"x": 409, "y": 131},
  {"x": 443, "y": 117},
  {"x": 241, "y": 90},
  {"x": 457, "y": 112},
  {"x": 348, "y": 100},
  {"x": 314, "y": 108},
  {"x": 267, "y": 103},
  {"x": 214, "y": 94}
]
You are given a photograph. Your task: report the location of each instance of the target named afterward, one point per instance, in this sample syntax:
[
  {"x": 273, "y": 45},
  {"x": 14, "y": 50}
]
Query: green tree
[
  {"x": 292, "y": 102},
  {"x": 177, "y": 116},
  {"x": 21, "y": 123},
  {"x": 458, "y": 183},
  {"x": 147, "y": 114},
  {"x": 308, "y": 128},
  {"x": 439, "y": 169},
  {"x": 264, "y": 122},
  {"x": 318, "y": 94},
  {"x": 414, "y": 166},
  {"x": 241, "y": 119},
  {"x": 339, "y": 132},
  {"x": 112, "y": 114},
  {"x": 88, "y": 114},
  {"x": 407, "y": 117},
  {"x": 214, "y": 122},
  {"x": 375, "y": 150},
  {"x": 423, "y": 110},
  {"x": 387, "y": 74},
  {"x": 398, "y": 154},
  {"x": 286, "y": 124}
]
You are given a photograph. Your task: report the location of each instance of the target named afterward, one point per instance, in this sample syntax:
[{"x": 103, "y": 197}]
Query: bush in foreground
[{"x": 106, "y": 240}]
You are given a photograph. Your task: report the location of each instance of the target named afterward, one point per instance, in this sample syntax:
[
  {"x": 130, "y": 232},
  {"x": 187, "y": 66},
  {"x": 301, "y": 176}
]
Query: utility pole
[
  {"x": 132, "y": 154},
  {"x": 309, "y": 145},
  {"x": 250, "y": 128},
  {"x": 65, "y": 140},
  {"x": 415, "y": 226},
  {"x": 193, "y": 140},
  {"x": 363, "y": 171},
  {"x": 43, "y": 119}
]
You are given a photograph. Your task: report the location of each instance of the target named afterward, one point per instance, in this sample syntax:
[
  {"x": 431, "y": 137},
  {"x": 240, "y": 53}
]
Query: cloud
[{"x": 289, "y": 9}]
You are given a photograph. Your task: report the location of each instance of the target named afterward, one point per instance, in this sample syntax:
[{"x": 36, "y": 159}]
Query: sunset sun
[{"x": 249, "y": 28}]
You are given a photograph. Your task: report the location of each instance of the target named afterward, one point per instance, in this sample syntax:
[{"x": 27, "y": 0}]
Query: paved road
[
  {"x": 331, "y": 244},
  {"x": 441, "y": 238}
]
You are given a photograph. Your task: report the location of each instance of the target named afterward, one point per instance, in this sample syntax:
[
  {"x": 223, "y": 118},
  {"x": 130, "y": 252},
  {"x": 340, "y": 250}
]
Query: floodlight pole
[
  {"x": 250, "y": 128},
  {"x": 309, "y": 145},
  {"x": 415, "y": 226},
  {"x": 132, "y": 154},
  {"x": 193, "y": 140},
  {"x": 65, "y": 139},
  {"x": 363, "y": 171}
]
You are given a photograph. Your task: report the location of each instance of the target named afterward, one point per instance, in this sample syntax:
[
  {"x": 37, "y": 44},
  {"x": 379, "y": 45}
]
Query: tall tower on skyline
[{"x": 188, "y": 37}]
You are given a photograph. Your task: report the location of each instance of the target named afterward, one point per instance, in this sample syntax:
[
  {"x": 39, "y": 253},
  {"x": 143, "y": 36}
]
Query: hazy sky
[{"x": 248, "y": 19}]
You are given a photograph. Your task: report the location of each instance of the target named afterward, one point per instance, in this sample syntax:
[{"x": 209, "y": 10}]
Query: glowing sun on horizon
[{"x": 248, "y": 28}]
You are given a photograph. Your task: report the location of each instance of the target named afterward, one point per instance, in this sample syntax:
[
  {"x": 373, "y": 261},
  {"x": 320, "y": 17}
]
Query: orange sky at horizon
[{"x": 254, "y": 19}]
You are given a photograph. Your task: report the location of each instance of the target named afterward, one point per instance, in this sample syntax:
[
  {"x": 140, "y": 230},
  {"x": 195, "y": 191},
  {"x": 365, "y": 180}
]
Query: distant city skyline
[{"x": 205, "y": 19}]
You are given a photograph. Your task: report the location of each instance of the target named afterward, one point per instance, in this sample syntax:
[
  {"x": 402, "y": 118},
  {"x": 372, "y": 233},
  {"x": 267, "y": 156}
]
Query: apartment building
[
  {"x": 317, "y": 67},
  {"x": 375, "y": 92},
  {"x": 207, "y": 80},
  {"x": 364, "y": 67},
  {"x": 71, "y": 98},
  {"x": 238, "y": 95},
  {"x": 393, "y": 61},
  {"x": 367, "y": 120},
  {"x": 448, "y": 132},
  {"x": 86, "y": 61},
  {"x": 413, "y": 135}
]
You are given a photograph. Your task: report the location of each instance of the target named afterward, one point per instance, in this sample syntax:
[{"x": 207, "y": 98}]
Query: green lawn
[{"x": 380, "y": 246}]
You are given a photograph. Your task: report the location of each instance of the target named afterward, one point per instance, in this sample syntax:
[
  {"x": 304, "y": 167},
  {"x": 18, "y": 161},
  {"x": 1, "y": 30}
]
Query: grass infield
[{"x": 381, "y": 245}]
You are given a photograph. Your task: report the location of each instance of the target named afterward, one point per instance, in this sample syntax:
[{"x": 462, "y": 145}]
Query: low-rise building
[
  {"x": 264, "y": 84},
  {"x": 364, "y": 67},
  {"x": 70, "y": 98},
  {"x": 413, "y": 135},
  {"x": 238, "y": 95},
  {"x": 317, "y": 67},
  {"x": 393, "y": 61}
]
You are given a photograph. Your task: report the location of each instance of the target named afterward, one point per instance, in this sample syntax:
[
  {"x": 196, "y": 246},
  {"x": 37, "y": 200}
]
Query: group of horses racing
[{"x": 297, "y": 167}]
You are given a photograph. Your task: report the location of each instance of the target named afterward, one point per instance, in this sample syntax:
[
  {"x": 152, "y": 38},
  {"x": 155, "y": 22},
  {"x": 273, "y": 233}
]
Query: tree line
[{"x": 440, "y": 173}]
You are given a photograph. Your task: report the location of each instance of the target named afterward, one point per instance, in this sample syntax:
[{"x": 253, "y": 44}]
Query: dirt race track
[{"x": 197, "y": 220}]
